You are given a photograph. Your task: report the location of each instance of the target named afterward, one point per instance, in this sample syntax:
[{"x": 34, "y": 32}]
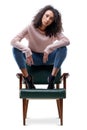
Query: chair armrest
[
  {"x": 20, "y": 77},
  {"x": 63, "y": 78},
  {"x": 64, "y": 75}
]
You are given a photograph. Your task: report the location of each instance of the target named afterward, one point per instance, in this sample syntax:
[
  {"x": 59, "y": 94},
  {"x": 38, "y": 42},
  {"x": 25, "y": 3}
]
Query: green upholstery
[
  {"x": 43, "y": 93},
  {"x": 41, "y": 73}
]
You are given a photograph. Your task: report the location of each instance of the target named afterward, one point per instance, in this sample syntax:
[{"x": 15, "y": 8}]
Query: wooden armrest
[
  {"x": 63, "y": 77},
  {"x": 20, "y": 77}
]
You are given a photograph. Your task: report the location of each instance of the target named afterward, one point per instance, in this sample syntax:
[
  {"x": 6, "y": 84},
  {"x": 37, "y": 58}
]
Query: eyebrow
[{"x": 50, "y": 17}]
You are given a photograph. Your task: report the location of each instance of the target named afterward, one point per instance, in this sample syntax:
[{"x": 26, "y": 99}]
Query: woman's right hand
[{"x": 29, "y": 60}]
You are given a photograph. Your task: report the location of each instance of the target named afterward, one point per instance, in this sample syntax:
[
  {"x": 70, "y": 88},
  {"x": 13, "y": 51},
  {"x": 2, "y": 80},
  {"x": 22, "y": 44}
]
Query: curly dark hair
[{"x": 55, "y": 27}]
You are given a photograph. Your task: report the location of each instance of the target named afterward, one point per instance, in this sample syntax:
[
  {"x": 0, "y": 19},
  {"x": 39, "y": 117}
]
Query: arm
[
  {"x": 60, "y": 42},
  {"x": 16, "y": 42}
]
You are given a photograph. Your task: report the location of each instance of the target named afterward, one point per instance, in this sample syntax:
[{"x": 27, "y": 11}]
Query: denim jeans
[{"x": 55, "y": 58}]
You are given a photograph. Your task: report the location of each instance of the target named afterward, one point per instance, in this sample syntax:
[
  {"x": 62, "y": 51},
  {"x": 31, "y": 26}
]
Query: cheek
[
  {"x": 42, "y": 18},
  {"x": 50, "y": 21}
]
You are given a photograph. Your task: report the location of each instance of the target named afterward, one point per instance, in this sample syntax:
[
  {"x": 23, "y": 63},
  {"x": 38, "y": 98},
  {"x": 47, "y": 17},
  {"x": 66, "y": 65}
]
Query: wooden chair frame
[{"x": 59, "y": 101}]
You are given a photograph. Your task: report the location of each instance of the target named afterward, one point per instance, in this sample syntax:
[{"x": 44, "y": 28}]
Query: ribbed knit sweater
[{"x": 38, "y": 41}]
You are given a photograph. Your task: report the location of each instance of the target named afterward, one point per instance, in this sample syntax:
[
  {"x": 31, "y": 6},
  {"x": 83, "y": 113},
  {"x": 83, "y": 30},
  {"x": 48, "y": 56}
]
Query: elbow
[
  {"x": 67, "y": 42},
  {"x": 11, "y": 43}
]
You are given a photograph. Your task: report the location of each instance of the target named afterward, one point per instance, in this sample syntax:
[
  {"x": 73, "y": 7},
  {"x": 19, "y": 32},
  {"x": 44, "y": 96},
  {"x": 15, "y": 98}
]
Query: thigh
[
  {"x": 51, "y": 58},
  {"x": 37, "y": 58},
  {"x": 19, "y": 58}
]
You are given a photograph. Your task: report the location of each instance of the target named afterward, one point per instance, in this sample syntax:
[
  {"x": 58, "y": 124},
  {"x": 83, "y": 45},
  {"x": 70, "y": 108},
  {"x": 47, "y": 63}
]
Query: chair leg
[
  {"x": 25, "y": 107},
  {"x": 60, "y": 109}
]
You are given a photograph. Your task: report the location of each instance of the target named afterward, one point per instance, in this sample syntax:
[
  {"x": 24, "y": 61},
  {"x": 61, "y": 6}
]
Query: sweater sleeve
[
  {"x": 60, "y": 42},
  {"x": 16, "y": 42}
]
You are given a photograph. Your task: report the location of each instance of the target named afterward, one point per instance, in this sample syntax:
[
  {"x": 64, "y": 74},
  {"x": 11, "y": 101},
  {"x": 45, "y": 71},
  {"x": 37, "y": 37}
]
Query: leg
[
  {"x": 24, "y": 111},
  {"x": 54, "y": 71},
  {"x": 58, "y": 56},
  {"x": 58, "y": 60},
  {"x": 60, "y": 109},
  {"x": 25, "y": 107},
  {"x": 21, "y": 62}
]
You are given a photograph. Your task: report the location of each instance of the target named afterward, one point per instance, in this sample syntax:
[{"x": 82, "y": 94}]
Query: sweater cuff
[
  {"x": 28, "y": 53},
  {"x": 48, "y": 50}
]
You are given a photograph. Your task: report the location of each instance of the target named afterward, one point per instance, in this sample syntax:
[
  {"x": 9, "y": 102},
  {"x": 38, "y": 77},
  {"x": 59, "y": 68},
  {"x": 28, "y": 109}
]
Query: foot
[
  {"x": 29, "y": 82},
  {"x": 51, "y": 82},
  {"x": 50, "y": 86}
]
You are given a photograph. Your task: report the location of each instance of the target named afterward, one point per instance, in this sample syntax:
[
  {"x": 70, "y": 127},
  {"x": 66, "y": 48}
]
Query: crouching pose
[{"x": 46, "y": 44}]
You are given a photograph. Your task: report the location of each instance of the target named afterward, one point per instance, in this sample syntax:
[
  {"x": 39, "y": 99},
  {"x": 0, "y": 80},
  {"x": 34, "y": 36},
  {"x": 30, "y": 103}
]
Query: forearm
[
  {"x": 22, "y": 48},
  {"x": 56, "y": 44}
]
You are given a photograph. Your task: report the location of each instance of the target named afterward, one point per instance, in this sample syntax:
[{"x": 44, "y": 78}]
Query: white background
[{"x": 14, "y": 16}]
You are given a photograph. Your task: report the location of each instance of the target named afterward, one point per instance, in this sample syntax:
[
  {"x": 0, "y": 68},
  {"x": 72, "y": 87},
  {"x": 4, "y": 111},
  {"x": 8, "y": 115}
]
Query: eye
[
  {"x": 51, "y": 18},
  {"x": 47, "y": 15}
]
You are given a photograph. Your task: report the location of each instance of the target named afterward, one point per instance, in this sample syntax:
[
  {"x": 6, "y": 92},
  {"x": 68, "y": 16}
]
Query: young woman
[{"x": 47, "y": 44}]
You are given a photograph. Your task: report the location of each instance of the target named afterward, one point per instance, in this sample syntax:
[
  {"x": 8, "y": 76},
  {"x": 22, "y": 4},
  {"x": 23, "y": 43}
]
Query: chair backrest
[{"x": 41, "y": 73}]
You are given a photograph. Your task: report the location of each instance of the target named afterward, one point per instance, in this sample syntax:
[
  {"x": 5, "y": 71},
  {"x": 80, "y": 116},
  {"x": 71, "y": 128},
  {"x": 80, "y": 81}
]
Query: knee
[
  {"x": 62, "y": 50},
  {"x": 15, "y": 50}
]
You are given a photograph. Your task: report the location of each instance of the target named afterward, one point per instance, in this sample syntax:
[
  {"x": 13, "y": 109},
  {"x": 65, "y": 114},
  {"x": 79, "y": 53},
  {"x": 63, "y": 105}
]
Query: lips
[{"x": 46, "y": 23}]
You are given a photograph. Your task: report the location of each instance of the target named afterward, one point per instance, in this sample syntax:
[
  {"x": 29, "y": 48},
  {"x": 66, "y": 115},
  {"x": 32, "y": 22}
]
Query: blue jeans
[{"x": 55, "y": 58}]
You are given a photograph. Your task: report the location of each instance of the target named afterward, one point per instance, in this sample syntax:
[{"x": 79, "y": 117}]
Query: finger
[
  {"x": 44, "y": 59},
  {"x": 28, "y": 62},
  {"x": 32, "y": 61}
]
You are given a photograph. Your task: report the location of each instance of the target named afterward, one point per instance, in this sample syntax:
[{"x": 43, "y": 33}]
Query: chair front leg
[{"x": 25, "y": 106}]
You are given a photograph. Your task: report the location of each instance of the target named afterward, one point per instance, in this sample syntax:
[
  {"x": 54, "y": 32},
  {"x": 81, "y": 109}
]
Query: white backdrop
[{"x": 14, "y": 16}]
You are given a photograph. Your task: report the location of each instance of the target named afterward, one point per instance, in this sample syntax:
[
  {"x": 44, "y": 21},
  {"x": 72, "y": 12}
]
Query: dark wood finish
[
  {"x": 58, "y": 101},
  {"x": 19, "y": 75},
  {"x": 24, "y": 111},
  {"x": 63, "y": 77},
  {"x": 60, "y": 109},
  {"x": 25, "y": 107},
  {"x": 60, "y": 106}
]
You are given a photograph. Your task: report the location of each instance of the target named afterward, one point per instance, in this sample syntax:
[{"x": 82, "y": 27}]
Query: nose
[{"x": 47, "y": 19}]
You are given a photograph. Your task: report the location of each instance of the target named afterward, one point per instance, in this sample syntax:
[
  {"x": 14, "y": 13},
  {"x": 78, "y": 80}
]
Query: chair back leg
[
  {"x": 25, "y": 107},
  {"x": 60, "y": 109}
]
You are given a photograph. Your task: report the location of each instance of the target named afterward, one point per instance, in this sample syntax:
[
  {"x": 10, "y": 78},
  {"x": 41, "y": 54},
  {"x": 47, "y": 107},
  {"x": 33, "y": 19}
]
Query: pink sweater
[{"x": 38, "y": 41}]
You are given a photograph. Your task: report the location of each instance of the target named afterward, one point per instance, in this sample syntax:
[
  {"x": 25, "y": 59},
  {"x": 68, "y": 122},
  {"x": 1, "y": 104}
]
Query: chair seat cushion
[
  {"x": 43, "y": 93},
  {"x": 41, "y": 73}
]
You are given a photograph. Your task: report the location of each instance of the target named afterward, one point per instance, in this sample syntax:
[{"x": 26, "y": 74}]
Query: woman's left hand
[
  {"x": 45, "y": 57},
  {"x": 29, "y": 60}
]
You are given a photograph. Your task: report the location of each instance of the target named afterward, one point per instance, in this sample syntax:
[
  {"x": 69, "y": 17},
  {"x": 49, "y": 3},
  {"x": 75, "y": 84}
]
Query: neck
[{"x": 42, "y": 28}]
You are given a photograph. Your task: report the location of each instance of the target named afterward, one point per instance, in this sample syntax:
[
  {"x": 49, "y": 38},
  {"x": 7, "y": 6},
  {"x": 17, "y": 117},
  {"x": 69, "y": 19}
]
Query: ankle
[
  {"x": 29, "y": 82},
  {"x": 29, "y": 77},
  {"x": 51, "y": 79}
]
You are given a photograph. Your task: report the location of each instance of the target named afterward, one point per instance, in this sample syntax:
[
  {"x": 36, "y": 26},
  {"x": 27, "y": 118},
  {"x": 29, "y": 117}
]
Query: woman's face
[{"x": 47, "y": 18}]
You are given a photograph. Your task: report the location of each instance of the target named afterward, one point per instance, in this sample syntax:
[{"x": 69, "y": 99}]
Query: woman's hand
[
  {"x": 29, "y": 60},
  {"x": 45, "y": 57}
]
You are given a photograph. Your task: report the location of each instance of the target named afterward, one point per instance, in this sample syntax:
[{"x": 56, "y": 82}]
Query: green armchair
[{"x": 40, "y": 74}]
